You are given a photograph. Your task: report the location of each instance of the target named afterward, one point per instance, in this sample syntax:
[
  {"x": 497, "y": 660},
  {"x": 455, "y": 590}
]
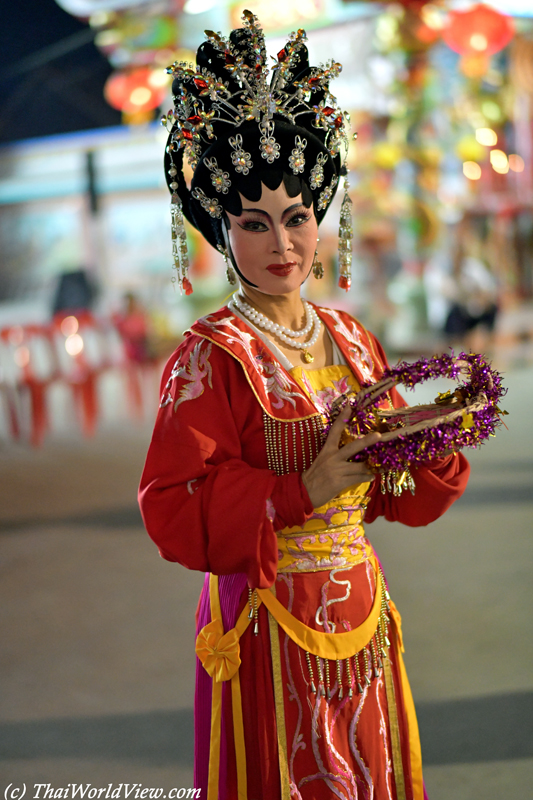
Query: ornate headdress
[{"x": 237, "y": 130}]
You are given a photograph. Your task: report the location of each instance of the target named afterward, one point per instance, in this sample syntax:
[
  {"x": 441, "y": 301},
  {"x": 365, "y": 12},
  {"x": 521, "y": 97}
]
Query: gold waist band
[{"x": 326, "y": 548}]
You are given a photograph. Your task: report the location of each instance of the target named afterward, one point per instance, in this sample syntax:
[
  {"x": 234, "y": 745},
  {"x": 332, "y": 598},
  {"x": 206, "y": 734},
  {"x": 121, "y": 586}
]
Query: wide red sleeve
[
  {"x": 201, "y": 502},
  {"x": 438, "y": 483}
]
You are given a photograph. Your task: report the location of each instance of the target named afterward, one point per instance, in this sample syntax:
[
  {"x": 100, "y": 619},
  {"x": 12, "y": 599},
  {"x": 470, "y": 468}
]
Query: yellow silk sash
[
  {"x": 412, "y": 723},
  {"x": 219, "y": 653},
  {"x": 333, "y": 646}
]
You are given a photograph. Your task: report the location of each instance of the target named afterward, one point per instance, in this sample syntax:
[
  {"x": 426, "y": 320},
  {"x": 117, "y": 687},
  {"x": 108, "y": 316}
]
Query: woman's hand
[{"x": 331, "y": 472}]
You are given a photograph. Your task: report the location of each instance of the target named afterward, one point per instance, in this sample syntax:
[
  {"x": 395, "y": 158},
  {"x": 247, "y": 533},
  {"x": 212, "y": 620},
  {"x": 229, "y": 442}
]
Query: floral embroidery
[
  {"x": 358, "y": 352},
  {"x": 323, "y": 398},
  {"x": 323, "y": 549},
  {"x": 274, "y": 379},
  {"x": 193, "y": 373}
]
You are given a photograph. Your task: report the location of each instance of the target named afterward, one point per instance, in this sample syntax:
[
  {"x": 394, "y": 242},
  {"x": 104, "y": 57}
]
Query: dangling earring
[
  {"x": 179, "y": 246},
  {"x": 230, "y": 272},
  {"x": 345, "y": 240},
  {"x": 318, "y": 269}
]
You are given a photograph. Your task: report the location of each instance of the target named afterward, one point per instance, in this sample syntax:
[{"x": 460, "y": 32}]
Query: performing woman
[{"x": 301, "y": 690}]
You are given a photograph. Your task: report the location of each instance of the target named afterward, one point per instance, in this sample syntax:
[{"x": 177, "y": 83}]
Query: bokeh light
[
  {"x": 499, "y": 161},
  {"x": 516, "y": 163},
  {"x": 69, "y": 325},
  {"x": 471, "y": 170},
  {"x": 74, "y": 344},
  {"x": 487, "y": 136}
]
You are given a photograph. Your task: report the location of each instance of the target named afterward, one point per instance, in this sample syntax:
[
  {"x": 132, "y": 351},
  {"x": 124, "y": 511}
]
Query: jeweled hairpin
[
  {"x": 241, "y": 160},
  {"x": 316, "y": 177},
  {"x": 297, "y": 158},
  {"x": 327, "y": 193},
  {"x": 267, "y": 144},
  {"x": 209, "y": 204},
  {"x": 219, "y": 178}
]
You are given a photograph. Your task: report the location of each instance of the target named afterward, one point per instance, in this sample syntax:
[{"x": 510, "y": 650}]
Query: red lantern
[
  {"x": 134, "y": 91},
  {"x": 480, "y": 30}
]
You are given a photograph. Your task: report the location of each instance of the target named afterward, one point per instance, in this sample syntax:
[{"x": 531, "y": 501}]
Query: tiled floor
[{"x": 97, "y": 631}]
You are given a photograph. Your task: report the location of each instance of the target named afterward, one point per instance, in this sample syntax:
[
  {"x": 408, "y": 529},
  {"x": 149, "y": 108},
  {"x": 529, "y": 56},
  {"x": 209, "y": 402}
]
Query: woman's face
[{"x": 274, "y": 241}]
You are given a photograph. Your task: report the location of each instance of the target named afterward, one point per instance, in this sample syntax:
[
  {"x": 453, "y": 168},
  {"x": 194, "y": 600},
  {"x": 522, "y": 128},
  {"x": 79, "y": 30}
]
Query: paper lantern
[
  {"x": 134, "y": 91},
  {"x": 480, "y": 30}
]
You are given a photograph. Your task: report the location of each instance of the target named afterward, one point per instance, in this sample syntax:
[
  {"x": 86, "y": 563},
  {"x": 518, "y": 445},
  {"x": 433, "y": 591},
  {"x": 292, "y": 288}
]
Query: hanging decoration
[
  {"x": 480, "y": 30},
  {"x": 135, "y": 92}
]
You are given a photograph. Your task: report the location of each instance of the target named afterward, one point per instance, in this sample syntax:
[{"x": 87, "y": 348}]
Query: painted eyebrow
[{"x": 265, "y": 214}]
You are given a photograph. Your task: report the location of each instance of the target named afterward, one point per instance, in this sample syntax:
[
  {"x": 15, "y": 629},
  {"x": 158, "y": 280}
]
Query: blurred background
[{"x": 97, "y": 663}]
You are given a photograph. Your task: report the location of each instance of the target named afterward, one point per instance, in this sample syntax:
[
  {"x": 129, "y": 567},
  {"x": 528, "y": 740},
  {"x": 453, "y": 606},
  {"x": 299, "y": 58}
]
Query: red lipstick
[{"x": 281, "y": 269}]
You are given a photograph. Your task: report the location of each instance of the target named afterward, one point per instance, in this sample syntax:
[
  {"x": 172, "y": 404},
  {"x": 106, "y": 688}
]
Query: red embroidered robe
[{"x": 210, "y": 501}]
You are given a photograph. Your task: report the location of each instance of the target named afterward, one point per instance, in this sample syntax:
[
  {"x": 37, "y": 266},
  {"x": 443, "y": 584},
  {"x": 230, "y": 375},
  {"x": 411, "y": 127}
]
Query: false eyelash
[{"x": 305, "y": 214}]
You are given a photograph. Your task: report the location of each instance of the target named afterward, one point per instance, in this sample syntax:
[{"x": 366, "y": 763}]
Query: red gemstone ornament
[
  {"x": 187, "y": 134},
  {"x": 187, "y": 286},
  {"x": 200, "y": 83},
  {"x": 229, "y": 58},
  {"x": 338, "y": 122},
  {"x": 282, "y": 55},
  {"x": 194, "y": 120},
  {"x": 344, "y": 282},
  {"x": 328, "y": 111}
]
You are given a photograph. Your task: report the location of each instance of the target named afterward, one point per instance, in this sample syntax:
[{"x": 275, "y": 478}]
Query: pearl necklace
[{"x": 286, "y": 335}]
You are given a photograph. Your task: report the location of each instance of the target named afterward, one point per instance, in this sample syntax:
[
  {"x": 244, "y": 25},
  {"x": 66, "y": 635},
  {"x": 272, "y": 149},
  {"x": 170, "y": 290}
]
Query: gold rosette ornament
[{"x": 219, "y": 652}]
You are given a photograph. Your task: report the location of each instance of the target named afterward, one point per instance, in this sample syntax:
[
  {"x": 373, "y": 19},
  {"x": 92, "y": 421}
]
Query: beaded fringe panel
[
  {"x": 352, "y": 675},
  {"x": 292, "y": 446}
]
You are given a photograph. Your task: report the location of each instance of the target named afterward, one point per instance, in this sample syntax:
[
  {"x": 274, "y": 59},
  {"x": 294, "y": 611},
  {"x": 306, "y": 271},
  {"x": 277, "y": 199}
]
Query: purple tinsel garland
[{"x": 431, "y": 443}]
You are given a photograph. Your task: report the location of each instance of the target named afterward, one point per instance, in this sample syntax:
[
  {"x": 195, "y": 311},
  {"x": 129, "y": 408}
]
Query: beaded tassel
[
  {"x": 339, "y": 678},
  {"x": 345, "y": 240},
  {"x": 179, "y": 238},
  {"x": 396, "y": 482},
  {"x": 328, "y": 686},
  {"x": 321, "y": 690},
  {"x": 256, "y": 618},
  {"x": 310, "y": 668},
  {"x": 350, "y": 677},
  {"x": 282, "y": 438},
  {"x": 250, "y": 603},
  {"x": 375, "y": 661},
  {"x": 179, "y": 244},
  {"x": 358, "y": 674},
  {"x": 365, "y": 659}
]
